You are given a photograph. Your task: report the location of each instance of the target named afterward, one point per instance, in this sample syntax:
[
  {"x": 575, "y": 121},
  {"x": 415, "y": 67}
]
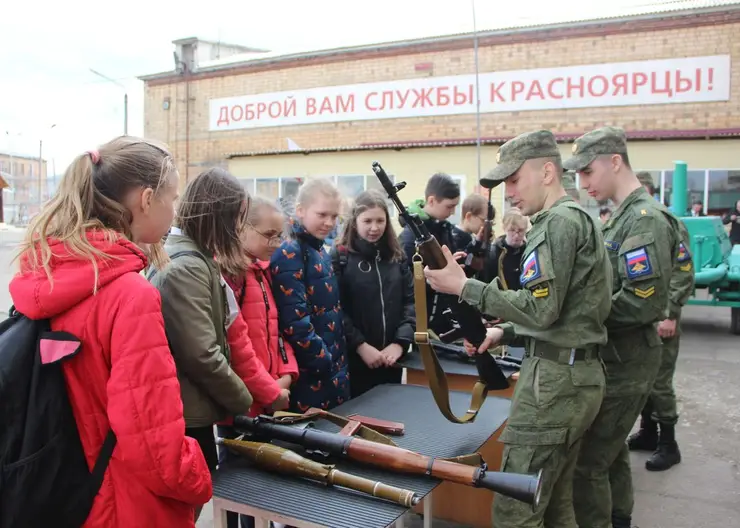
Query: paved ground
[{"x": 703, "y": 491}]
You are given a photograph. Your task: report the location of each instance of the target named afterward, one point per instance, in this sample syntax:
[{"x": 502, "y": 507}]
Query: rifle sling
[
  {"x": 287, "y": 418},
  {"x": 432, "y": 368}
]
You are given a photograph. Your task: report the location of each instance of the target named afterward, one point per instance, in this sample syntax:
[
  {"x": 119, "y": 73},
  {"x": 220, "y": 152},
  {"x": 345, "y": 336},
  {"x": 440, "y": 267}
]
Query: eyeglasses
[{"x": 273, "y": 240}]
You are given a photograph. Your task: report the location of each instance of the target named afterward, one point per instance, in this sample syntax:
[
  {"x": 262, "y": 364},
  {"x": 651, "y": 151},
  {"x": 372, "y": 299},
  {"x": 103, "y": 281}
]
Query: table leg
[
  {"x": 428, "y": 511},
  {"x": 219, "y": 515}
]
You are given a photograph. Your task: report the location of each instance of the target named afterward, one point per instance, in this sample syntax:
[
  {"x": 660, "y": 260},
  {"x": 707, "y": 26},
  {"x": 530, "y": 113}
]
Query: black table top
[
  {"x": 427, "y": 432},
  {"x": 454, "y": 365}
]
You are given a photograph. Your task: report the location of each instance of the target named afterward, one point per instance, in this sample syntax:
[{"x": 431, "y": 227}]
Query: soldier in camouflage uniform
[
  {"x": 661, "y": 406},
  {"x": 641, "y": 245},
  {"x": 558, "y": 316}
]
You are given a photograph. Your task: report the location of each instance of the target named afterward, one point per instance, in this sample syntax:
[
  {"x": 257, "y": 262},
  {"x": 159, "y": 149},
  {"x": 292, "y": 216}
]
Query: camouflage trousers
[
  {"x": 552, "y": 407},
  {"x": 663, "y": 396},
  {"x": 631, "y": 361}
]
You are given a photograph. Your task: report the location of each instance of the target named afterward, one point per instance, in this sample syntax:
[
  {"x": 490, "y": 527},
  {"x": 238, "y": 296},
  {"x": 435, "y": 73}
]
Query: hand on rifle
[
  {"x": 282, "y": 402},
  {"x": 372, "y": 357},
  {"x": 450, "y": 279},
  {"x": 392, "y": 353},
  {"x": 493, "y": 338}
]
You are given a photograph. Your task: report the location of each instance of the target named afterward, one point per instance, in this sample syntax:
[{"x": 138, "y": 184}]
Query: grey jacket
[{"x": 194, "y": 307}]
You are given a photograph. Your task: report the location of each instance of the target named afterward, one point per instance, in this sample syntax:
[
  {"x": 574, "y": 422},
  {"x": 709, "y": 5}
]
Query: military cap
[
  {"x": 645, "y": 178},
  {"x": 605, "y": 140},
  {"x": 512, "y": 155}
]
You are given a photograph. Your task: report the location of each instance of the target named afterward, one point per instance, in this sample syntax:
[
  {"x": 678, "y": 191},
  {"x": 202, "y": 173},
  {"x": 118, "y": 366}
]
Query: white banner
[{"x": 652, "y": 82}]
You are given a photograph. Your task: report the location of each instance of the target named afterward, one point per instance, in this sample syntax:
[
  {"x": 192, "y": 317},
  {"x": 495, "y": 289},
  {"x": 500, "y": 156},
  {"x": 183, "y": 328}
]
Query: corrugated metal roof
[
  {"x": 563, "y": 138},
  {"x": 530, "y": 23}
]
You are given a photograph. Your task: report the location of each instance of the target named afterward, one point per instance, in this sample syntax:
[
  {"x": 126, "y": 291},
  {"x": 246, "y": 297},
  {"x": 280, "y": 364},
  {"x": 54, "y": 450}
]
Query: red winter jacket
[
  {"x": 124, "y": 378},
  {"x": 260, "y": 314}
]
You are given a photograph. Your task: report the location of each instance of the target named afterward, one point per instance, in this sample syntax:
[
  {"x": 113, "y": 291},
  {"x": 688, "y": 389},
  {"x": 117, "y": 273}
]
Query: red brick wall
[{"x": 207, "y": 148}]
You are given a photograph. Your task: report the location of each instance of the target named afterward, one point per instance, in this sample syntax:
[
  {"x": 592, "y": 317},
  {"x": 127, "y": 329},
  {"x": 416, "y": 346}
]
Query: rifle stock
[
  {"x": 285, "y": 461},
  {"x": 525, "y": 488}
]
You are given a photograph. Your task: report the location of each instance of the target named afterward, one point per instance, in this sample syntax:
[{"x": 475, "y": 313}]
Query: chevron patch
[
  {"x": 644, "y": 294},
  {"x": 685, "y": 267},
  {"x": 541, "y": 292}
]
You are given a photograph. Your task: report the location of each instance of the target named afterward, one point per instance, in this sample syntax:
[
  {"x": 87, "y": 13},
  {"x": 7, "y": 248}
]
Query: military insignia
[
  {"x": 498, "y": 157},
  {"x": 643, "y": 212},
  {"x": 611, "y": 245},
  {"x": 575, "y": 148},
  {"x": 638, "y": 263},
  {"x": 530, "y": 269},
  {"x": 644, "y": 293},
  {"x": 683, "y": 253},
  {"x": 541, "y": 292},
  {"x": 685, "y": 267}
]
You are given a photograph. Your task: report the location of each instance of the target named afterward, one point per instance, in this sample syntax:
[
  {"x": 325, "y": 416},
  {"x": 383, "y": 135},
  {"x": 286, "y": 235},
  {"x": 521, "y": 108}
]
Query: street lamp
[{"x": 125, "y": 98}]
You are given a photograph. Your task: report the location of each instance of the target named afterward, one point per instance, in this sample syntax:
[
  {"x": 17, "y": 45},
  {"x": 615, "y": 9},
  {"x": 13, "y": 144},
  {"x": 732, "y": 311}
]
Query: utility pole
[
  {"x": 477, "y": 90},
  {"x": 41, "y": 170},
  {"x": 125, "y": 98}
]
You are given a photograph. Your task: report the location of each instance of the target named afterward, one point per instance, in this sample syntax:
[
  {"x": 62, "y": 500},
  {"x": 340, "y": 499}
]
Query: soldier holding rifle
[{"x": 558, "y": 316}]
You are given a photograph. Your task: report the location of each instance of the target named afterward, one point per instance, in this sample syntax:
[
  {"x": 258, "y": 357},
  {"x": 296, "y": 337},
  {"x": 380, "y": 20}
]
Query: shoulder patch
[
  {"x": 611, "y": 245},
  {"x": 638, "y": 263},
  {"x": 683, "y": 253},
  {"x": 531, "y": 268}
]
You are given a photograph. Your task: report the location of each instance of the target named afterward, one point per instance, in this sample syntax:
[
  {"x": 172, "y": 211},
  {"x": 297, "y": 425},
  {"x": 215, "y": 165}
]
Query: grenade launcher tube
[{"x": 522, "y": 487}]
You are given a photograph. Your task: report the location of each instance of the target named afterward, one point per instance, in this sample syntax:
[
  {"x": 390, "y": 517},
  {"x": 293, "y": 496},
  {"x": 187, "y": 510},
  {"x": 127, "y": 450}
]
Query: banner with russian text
[{"x": 651, "y": 82}]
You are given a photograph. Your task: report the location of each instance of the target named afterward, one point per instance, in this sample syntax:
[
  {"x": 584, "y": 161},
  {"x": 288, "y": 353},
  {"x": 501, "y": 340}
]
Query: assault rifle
[
  {"x": 281, "y": 460},
  {"x": 429, "y": 253},
  {"x": 458, "y": 352},
  {"x": 525, "y": 488},
  {"x": 477, "y": 259}
]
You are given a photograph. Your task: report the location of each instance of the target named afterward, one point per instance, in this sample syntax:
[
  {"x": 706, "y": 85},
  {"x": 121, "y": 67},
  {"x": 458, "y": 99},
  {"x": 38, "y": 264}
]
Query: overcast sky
[{"x": 47, "y": 49}]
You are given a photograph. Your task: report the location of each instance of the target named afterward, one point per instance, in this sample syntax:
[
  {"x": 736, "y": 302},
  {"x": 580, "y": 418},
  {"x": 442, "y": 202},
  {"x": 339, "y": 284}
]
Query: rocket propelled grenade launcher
[
  {"x": 525, "y": 488},
  {"x": 281, "y": 460}
]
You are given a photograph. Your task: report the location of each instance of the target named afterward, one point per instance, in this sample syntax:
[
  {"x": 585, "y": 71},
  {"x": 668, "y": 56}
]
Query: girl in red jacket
[
  {"x": 253, "y": 291},
  {"x": 80, "y": 265}
]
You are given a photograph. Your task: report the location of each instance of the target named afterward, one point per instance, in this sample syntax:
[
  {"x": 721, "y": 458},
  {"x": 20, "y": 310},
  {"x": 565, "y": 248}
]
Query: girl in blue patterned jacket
[{"x": 307, "y": 296}]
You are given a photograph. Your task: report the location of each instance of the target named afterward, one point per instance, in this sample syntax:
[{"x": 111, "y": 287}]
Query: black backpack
[{"x": 44, "y": 477}]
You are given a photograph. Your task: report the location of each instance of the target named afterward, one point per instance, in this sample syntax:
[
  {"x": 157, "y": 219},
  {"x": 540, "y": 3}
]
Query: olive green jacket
[{"x": 195, "y": 308}]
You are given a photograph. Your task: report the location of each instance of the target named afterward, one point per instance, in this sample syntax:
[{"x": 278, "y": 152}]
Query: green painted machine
[{"x": 716, "y": 261}]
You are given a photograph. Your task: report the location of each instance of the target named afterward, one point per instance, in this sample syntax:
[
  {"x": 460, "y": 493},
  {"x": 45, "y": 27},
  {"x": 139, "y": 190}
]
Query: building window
[
  {"x": 724, "y": 190},
  {"x": 694, "y": 184}
]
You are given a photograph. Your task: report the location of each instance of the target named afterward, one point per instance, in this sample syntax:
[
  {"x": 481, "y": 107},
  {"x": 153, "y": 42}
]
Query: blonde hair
[
  {"x": 514, "y": 217},
  {"x": 313, "y": 187},
  {"x": 90, "y": 197},
  {"x": 257, "y": 207}
]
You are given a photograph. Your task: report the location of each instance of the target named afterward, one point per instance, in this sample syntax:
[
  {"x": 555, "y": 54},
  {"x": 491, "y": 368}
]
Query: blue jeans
[{"x": 233, "y": 519}]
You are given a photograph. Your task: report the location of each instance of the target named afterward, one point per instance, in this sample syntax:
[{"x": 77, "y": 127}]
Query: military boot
[
  {"x": 646, "y": 439},
  {"x": 667, "y": 454},
  {"x": 619, "y": 521}
]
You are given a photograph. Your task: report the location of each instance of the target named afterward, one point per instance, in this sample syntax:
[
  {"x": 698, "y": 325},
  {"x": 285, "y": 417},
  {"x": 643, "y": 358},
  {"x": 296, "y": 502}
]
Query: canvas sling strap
[
  {"x": 432, "y": 368},
  {"x": 362, "y": 431}
]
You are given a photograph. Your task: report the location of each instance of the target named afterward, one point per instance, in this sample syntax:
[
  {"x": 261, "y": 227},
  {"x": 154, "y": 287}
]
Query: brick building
[
  {"x": 23, "y": 179},
  {"x": 670, "y": 79}
]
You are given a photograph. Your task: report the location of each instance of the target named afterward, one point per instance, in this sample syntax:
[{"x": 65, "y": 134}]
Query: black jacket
[
  {"x": 377, "y": 297},
  {"x": 735, "y": 227},
  {"x": 437, "y": 303},
  {"x": 505, "y": 262}
]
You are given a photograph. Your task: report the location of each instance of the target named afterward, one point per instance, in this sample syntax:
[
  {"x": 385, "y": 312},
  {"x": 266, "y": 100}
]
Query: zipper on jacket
[
  {"x": 382, "y": 300},
  {"x": 258, "y": 275}
]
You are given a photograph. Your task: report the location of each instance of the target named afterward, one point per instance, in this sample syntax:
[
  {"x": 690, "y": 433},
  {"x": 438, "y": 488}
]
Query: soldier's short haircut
[
  {"x": 442, "y": 187},
  {"x": 475, "y": 204}
]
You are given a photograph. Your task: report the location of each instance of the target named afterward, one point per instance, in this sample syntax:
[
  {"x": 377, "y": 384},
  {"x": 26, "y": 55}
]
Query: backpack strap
[
  {"x": 101, "y": 464},
  {"x": 339, "y": 260}
]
